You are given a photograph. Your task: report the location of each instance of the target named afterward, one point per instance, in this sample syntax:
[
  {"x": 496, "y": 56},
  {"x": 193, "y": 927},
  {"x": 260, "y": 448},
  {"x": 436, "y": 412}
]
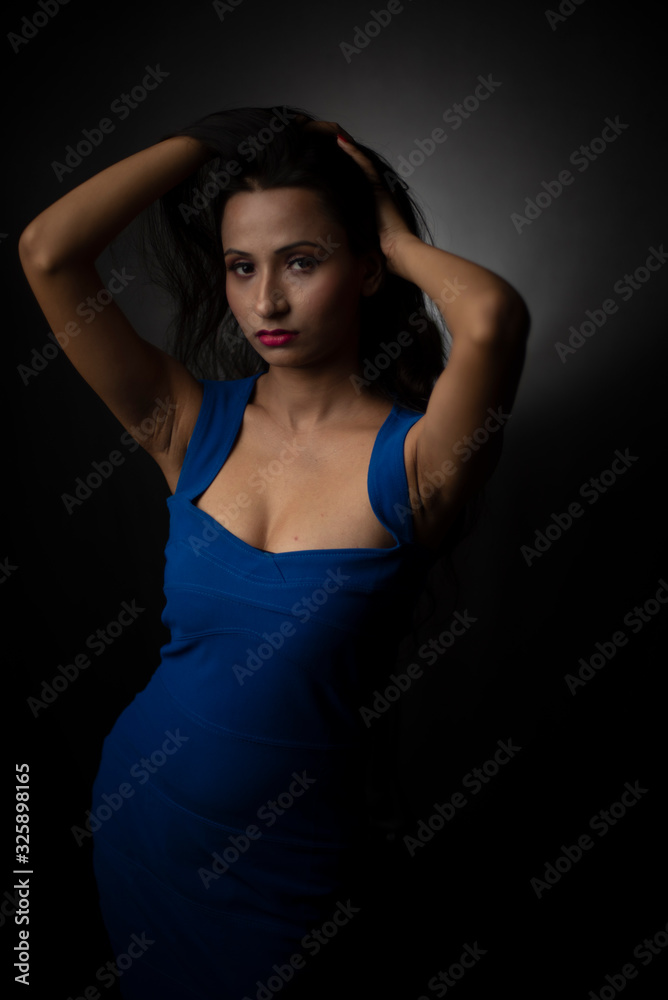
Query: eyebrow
[{"x": 290, "y": 246}]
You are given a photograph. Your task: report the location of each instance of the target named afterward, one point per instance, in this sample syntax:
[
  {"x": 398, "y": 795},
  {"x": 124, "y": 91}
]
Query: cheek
[
  {"x": 336, "y": 287},
  {"x": 343, "y": 297}
]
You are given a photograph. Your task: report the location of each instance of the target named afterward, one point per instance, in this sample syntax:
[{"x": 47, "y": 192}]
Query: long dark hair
[
  {"x": 180, "y": 241},
  {"x": 263, "y": 148},
  {"x": 266, "y": 148},
  {"x": 181, "y": 245}
]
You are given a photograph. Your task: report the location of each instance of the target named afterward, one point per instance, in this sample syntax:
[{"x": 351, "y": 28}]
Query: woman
[{"x": 309, "y": 494}]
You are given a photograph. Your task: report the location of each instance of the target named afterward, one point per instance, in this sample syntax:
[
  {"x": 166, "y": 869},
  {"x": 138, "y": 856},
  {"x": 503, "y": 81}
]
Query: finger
[
  {"x": 345, "y": 141},
  {"x": 332, "y": 127},
  {"x": 363, "y": 161},
  {"x": 346, "y": 135}
]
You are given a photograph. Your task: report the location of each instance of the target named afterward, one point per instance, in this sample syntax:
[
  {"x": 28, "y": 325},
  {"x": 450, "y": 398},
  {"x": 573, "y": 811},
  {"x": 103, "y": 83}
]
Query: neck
[{"x": 305, "y": 399}]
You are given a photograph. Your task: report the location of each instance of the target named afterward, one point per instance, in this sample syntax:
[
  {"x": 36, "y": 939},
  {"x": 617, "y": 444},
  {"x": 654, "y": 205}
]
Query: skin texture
[
  {"x": 306, "y": 407},
  {"x": 313, "y": 289},
  {"x": 308, "y": 389}
]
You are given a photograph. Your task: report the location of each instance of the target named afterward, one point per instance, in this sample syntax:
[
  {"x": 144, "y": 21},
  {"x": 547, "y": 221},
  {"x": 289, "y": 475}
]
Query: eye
[
  {"x": 239, "y": 263},
  {"x": 310, "y": 262},
  {"x": 305, "y": 265}
]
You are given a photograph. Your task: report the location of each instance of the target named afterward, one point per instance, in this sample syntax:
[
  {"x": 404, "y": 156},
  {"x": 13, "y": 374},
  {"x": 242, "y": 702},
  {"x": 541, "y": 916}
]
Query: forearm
[
  {"x": 77, "y": 227},
  {"x": 471, "y": 299}
]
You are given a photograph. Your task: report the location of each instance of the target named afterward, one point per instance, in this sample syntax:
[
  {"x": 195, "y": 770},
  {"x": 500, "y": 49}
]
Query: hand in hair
[{"x": 391, "y": 226}]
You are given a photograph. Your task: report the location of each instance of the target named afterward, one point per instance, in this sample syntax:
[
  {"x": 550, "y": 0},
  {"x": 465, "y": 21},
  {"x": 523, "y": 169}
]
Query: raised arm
[
  {"x": 58, "y": 250},
  {"x": 455, "y": 446}
]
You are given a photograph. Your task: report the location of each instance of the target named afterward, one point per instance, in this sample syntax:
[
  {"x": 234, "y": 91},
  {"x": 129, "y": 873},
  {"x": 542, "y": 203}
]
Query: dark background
[{"x": 504, "y": 680}]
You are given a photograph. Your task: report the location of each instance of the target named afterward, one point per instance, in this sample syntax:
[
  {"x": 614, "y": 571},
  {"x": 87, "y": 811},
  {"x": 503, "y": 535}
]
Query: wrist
[
  {"x": 399, "y": 253},
  {"x": 193, "y": 148}
]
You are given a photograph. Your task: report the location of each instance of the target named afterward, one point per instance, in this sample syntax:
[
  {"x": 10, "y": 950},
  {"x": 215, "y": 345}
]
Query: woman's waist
[
  {"x": 299, "y": 696},
  {"x": 227, "y": 776}
]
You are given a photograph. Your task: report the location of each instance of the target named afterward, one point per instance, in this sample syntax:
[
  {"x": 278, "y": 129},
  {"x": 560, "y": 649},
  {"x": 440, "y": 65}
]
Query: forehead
[{"x": 283, "y": 212}]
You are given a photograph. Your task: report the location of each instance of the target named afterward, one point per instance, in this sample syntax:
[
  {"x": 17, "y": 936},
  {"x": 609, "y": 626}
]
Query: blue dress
[{"x": 230, "y": 799}]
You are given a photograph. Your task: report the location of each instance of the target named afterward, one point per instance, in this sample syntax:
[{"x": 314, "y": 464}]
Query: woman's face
[{"x": 289, "y": 267}]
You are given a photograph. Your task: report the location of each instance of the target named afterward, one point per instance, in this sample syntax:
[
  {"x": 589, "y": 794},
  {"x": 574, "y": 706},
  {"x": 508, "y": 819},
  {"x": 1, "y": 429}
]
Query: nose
[{"x": 270, "y": 297}]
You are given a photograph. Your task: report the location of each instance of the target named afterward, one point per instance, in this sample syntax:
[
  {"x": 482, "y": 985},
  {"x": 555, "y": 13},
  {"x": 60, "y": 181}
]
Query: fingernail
[{"x": 342, "y": 137}]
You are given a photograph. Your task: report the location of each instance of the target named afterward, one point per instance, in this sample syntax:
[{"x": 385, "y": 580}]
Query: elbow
[
  {"x": 504, "y": 318},
  {"x": 35, "y": 253},
  {"x": 31, "y": 249}
]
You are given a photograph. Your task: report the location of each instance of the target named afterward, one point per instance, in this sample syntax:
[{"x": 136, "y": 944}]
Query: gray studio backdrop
[{"x": 532, "y": 139}]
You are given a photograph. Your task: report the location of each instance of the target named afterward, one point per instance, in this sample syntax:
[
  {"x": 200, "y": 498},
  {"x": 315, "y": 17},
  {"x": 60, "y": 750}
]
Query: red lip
[
  {"x": 274, "y": 338},
  {"x": 274, "y": 333}
]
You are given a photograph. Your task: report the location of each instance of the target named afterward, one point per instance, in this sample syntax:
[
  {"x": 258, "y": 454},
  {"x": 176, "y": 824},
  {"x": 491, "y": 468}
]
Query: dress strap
[
  {"x": 216, "y": 428},
  {"x": 219, "y": 421},
  {"x": 388, "y": 484}
]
